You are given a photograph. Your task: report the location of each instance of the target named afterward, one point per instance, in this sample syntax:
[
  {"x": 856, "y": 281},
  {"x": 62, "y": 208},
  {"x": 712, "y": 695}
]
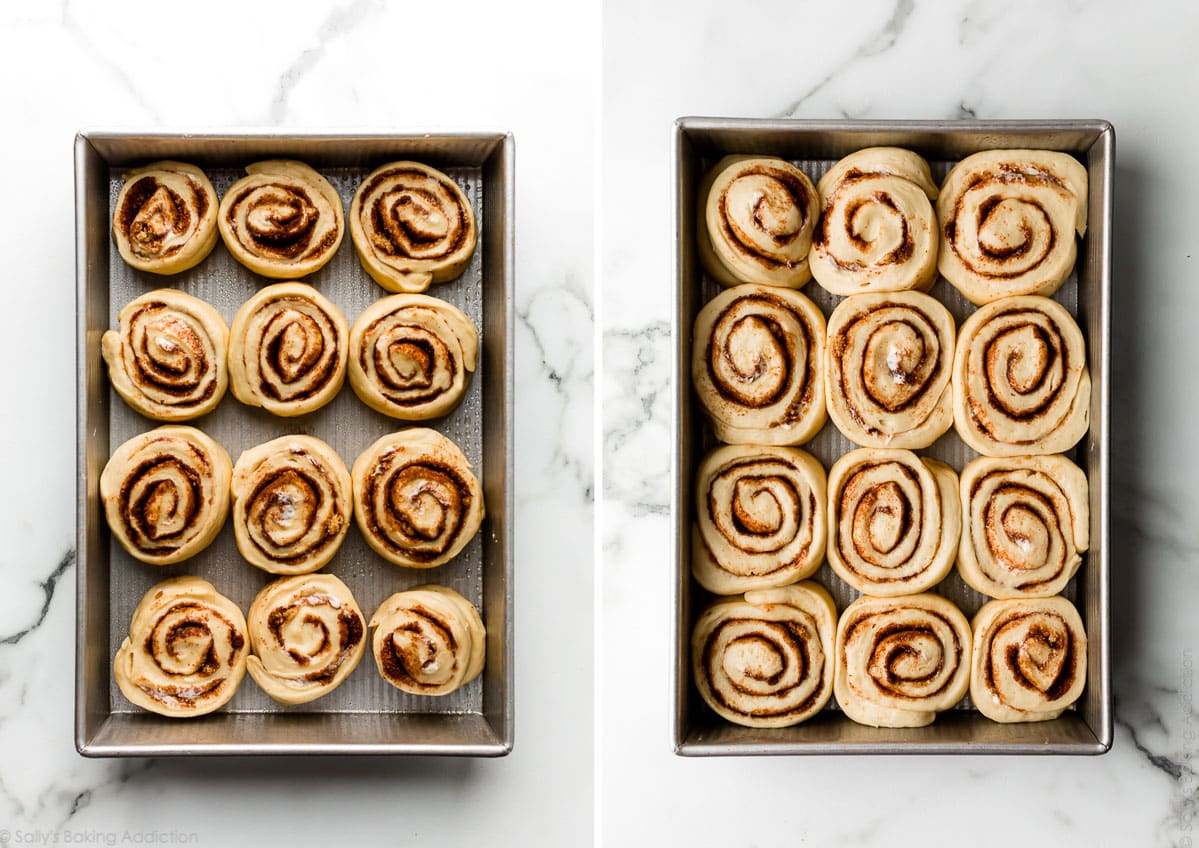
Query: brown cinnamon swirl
[
  {"x": 165, "y": 219},
  {"x": 429, "y": 640}
]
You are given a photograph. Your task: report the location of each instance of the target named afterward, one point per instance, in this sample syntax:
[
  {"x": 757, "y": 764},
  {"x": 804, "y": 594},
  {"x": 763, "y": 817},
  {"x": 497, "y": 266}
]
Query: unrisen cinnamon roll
[
  {"x": 412, "y": 356},
  {"x": 894, "y": 521},
  {"x": 291, "y": 504},
  {"x": 167, "y": 360},
  {"x": 760, "y": 518},
  {"x": 415, "y": 498},
  {"x": 758, "y": 217},
  {"x": 1030, "y": 659},
  {"x": 887, "y": 369},
  {"x": 282, "y": 220},
  {"x": 166, "y": 493},
  {"x": 186, "y": 650},
  {"x": 307, "y": 634},
  {"x": 1026, "y": 522},
  {"x": 877, "y": 230},
  {"x": 763, "y": 660},
  {"x": 429, "y": 640},
  {"x": 757, "y": 358},
  {"x": 1008, "y": 219},
  {"x": 900, "y": 661},
  {"x": 1020, "y": 379},
  {"x": 412, "y": 225},
  {"x": 287, "y": 350},
  {"x": 165, "y": 220}
]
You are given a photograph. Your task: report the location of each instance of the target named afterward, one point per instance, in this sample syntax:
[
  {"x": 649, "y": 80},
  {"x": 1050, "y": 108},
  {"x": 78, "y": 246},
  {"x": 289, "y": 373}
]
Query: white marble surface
[
  {"x": 359, "y": 64},
  {"x": 1134, "y": 66}
]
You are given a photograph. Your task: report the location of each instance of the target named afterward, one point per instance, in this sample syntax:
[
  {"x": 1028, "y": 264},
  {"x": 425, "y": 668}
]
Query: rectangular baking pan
[
  {"x": 814, "y": 146},
  {"x": 364, "y": 715}
]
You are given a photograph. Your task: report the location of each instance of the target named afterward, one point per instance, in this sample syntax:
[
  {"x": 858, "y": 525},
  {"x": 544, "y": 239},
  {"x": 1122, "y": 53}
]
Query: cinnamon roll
[
  {"x": 1008, "y": 219},
  {"x": 1020, "y": 379},
  {"x": 412, "y": 225},
  {"x": 758, "y": 354},
  {"x": 287, "y": 350},
  {"x": 763, "y": 660},
  {"x": 429, "y": 640},
  {"x": 760, "y": 518},
  {"x": 415, "y": 498},
  {"x": 186, "y": 650},
  {"x": 166, "y": 493},
  {"x": 307, "y": 634},
  {"x": 165, "y": 219},
  {"x": 758, "y": 217},
  {"x": 888, "y": 368},
  {"x": 282, "y": 220},
  {"x": 1026, "y": 524},
  {"x": 291, "y": 504},
  {"x": 412, "y": 356},
  {"x": 877, "y": 229},
  {"x": 1030, "y": 659},
  {"x": 894, "y": 521},
  {"x": 900, "y": 661},
  {"x": 167, "y": 360}
]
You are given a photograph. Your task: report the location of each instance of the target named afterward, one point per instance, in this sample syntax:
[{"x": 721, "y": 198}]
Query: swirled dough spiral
[
  {"x": 877, "y": 231},
  {"x": 166, "y": 493},
  {"x": 1030, "y": 659},
  {"x": 292, "y": 500},
  {"x": 167, "y": 359},
  {"x": 758, "y": 218},
  {"x": 415, "y": 498},
  {"x": 288, "y": 348},
  {"x": 412, "y": 356},
  {"x": 888, "y": 365},
  {"x": 1020, "y": 379},
  {"x": 763, "y": 660},
  {"x": 1008, "y": 219},
  {"x": 282, "y": 220},
  {"x": 186, "y": 650},
  {"x": 165, "y": 219},
  {"x": 900, "y": 661},
  {"x": 894, "y": 521},
  {"x": 412, "y": 225},
  {"x": 757, "y": 363},
  {"x": 1026, "y": 524},
  {"x": 429, "y": 640},
  {"x": 761, "y": 519},
  {"x": 307, "y": 634}
]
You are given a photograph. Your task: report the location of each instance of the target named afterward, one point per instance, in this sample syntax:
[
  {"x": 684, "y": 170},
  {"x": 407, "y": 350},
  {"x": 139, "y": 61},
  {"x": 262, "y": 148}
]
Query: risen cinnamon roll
[
  {"x": 412, "y": 226},
  {"x": 165, "y": 219},
  {"x": 900, "y": 661},
  {"x": 877, "y": 230},
  {"x": 887, "y": 369},
  {"x": 186, "y": 650},
  {"x": 412, "y": 356},
  {"x": 758, "y": 217},
  {"x": 757, "y": 358},
  {"x": 429, "y": 640},
  {"x": 307, "y": 634},
  {"x": 763, "y": 660},
  {"x": 760, "y": 518},
  {"x": 291, "y": 504},
  {"x": 166, "y": 493},
  {"x": 415, "y": 498},
  {"x": 1008, "y": 220},
  {"x": 167, "y": 359},
  {"x": 1030, "y": 659},
  {"x": 287, "y": 350},
  {"x": 282, "y": 220},
  {"x": 1020, "y": 379}
]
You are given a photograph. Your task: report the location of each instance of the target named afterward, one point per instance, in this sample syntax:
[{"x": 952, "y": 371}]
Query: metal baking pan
[
  {"x": 364, "y": 715},
  {"x": 814, "y": 146}
]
